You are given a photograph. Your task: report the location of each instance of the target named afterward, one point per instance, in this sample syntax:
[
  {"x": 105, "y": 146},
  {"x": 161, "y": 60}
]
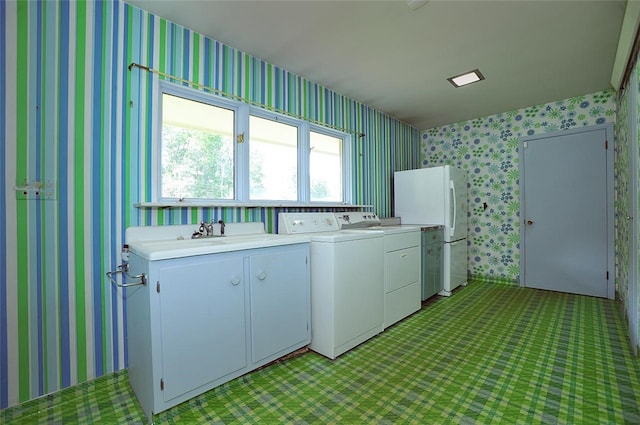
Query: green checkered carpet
[{"x": 490, "y": 354}]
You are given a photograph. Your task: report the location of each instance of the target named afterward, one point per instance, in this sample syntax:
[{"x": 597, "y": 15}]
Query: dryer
[{"x": 402, "y": 263}]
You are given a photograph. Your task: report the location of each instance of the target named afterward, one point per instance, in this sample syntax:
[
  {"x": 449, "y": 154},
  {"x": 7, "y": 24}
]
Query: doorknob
[{"x": 530, "y": 222}]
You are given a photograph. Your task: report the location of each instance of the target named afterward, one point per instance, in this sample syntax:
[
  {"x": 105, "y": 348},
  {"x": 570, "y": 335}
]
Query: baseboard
[{"x": 494, "y": 279}]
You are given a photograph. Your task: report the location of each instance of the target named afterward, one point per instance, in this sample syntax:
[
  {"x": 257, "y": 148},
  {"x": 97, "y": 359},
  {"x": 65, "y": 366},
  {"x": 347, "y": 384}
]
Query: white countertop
[
  {"x": 174, "y": 241},
  {"x": 166, "y": 249}
]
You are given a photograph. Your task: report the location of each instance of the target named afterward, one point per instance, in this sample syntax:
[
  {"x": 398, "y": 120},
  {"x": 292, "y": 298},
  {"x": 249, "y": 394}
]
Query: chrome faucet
[{"x": 206, "y": 230}]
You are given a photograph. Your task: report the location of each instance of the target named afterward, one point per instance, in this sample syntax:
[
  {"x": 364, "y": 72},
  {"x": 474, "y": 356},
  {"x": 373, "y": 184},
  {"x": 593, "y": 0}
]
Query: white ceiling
[{"x": 397, "y": 60}]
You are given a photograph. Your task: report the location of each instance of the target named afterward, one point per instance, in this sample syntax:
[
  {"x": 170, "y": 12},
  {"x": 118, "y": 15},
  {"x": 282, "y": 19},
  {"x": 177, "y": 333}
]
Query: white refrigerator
[{"x": 437, "y": 195}]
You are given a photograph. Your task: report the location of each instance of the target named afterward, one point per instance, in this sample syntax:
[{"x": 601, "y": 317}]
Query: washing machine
[{"x": 347, "y": 281}]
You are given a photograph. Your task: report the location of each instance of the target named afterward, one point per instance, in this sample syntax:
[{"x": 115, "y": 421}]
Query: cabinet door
[
  {"x": 432, "y": 270},
  {"x": 202, "y": 314},
  {"x": 280, "y": 301}
]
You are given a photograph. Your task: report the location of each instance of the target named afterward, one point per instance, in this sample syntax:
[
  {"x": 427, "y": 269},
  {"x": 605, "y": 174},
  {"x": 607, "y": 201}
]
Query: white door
[
  {"x": 566, "y": 212},
  {"x": 420, "y": 195}
]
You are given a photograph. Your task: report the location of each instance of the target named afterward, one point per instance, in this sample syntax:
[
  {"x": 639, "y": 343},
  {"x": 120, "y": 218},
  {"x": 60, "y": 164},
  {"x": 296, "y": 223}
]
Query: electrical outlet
[{"x": 36, "y": 189}]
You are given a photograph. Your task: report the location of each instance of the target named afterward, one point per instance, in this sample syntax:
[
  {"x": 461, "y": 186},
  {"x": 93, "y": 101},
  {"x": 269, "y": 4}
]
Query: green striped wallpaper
[{"x": 75, "y": 119}]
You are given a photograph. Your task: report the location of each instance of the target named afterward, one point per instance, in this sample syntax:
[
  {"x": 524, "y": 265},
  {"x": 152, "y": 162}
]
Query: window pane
[
  {"x": 197, "y": 149},
  {"x": 273, "y": 160},
  {"x": 325, "y": 168}
]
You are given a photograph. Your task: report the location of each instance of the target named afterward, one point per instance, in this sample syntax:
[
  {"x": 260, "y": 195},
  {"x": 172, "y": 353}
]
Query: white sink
[{"x": 175, "y": 248}]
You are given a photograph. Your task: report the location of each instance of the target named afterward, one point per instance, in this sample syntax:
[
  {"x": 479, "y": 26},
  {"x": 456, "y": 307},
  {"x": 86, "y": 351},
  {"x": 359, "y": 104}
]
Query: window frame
[{"x": 241, "y": 150}]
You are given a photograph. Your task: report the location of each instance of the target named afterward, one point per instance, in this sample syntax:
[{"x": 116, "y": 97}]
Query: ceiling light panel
[
  {"x": 466, "y": 78},
  {"x": 416, "y": 4}
]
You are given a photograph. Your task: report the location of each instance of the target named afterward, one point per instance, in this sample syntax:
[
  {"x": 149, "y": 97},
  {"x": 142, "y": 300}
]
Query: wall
[
  {"x": 72, "y": 115},
  {"x": 622, "y": 207},
  {"x": 635, "y": 208},
  {"x": 487, "y": 148},
  {"x": 628, "y": 112}
]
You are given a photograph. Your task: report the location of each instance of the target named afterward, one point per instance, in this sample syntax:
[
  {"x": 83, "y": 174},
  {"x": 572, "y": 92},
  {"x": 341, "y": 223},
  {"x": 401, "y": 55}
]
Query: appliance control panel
[
  {"x": 309, "y": 222},
  {"x": 354, "y": 220}
]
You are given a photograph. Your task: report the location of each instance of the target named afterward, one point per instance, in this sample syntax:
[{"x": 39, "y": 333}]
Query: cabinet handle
[
  {"x": 261, "y": 276},
  {"x": 235, "y": 281}
]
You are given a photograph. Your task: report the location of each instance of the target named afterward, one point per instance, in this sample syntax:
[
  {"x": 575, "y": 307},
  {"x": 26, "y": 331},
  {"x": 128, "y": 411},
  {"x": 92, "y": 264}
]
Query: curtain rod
[{"x": 240, "y": 98}]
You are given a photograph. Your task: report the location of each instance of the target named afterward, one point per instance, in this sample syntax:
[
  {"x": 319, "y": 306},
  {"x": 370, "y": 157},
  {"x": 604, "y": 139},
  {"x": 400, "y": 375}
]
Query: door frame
[{"x": 608, "y": 127}]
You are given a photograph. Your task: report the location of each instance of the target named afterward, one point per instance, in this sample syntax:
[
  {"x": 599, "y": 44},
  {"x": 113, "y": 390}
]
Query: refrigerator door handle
[{"x": 452, "y": 186}]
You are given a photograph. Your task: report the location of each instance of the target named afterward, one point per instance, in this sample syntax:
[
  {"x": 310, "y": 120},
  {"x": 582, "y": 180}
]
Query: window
[
  {"x": 197, "y": 149},
  {"x": 273, "y": 160},
  {"x": 325, "y": 167},
  {"x": 214, "y": 149}
]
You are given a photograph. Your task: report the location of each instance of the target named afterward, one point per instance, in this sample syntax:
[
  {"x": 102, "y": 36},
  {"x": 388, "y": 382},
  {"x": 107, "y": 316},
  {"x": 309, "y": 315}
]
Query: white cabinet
[
  {"x": 401, "y": 275},
  {"x": 279, "y": 302},
  {"x": 203, "y": 320}
]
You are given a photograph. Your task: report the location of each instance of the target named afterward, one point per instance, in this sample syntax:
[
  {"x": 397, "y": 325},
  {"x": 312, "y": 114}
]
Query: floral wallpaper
[
  {"x": 622, "y": 206},
  {"x": 487, "y": 148},
  {"x": 627, "y": 123}
]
